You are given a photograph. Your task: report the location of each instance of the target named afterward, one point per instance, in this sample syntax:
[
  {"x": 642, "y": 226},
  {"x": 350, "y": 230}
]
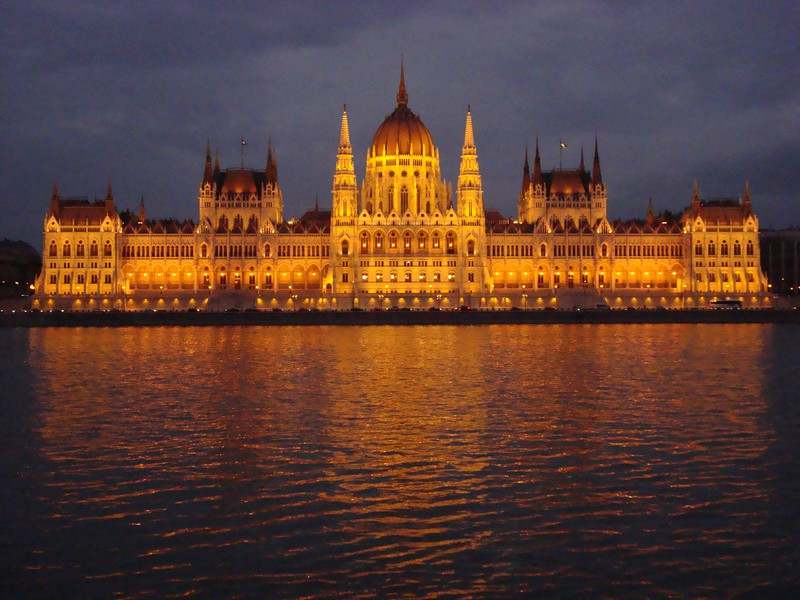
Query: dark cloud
[{"x": 674, "y": 91}]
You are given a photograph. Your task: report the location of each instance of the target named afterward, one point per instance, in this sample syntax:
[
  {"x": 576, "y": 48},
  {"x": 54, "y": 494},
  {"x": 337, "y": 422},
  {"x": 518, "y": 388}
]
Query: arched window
[
  {"x": 712, "y": 248},
  {"x": 750, "y": 248},
  {"x": 543, "y": 250},
  {"x": 392, "y": 239},
  {"x": 407, "y": 242},
  {"x": 379, "y": 241},
  {"x": 379, "y": 277},
  {"x": 267, "y": 250},
  {"x": 268, "y": 278},
  {"x": 737, "y": 248},
  {"x": 204, "y": 251},
  {"x": 423, "y": 240},
  {"x": 67, "y": 251},
  {"x": 93, "y": 249},
  {"x": 604, "y": 250},
  {"x": 698, "y": 249},
  {"x": 435, "y": 239},
  {"x": 393, "y": 277},
  {"x": 451, "y": 242},
  {"x": 53, "y": 248},
  {"x": 471, "y": 247},
  {"x": 723, "y": 248},
  {"x": 403, "y": 200},
  {"x": 107, "y": 250},
  {"x": 79, "y": 251},
  {"x": 540, "y": 278},
  {"x": 345, "y": 247},
  {"x": 364, "y": 242}
]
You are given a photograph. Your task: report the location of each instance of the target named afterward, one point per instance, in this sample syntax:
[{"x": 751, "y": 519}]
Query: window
[
  {"x": 107, "y": 278},
  {"x": 451, "y": 242},
  {"x": 53, "y": 279},
  {"x": 378, "y": 240},
  {"x": 451, "y": 277},
  {"x": 345, "y": 247},
  {"x": 435, "y": 240},
  {"x": 67, "y": 278},
  {"x": 53, "y": 249},
  {"x": 723, "y": 249},
  {"x": 437, "y": 277},
  {"x": 604, "y": 250},
  {"x": 393, "y": 277},
  {"x": 407, "y": 242},
  {"x": 67, "y": 251},
  {"x": 698, "y": 249},
  {"x": 471, "y": 277},
  {"x": 94, "y": 278},
  {"x": 393, "y": 239},
  {"x": 712, "y": 249},
  {"x": 345, "y": 277},
  {"x": 93, "y": 249},
  {"x": 107, "y": 249},
  {"x": 79, "y": 251},
  {"x": 471, "y": 247},
  {"x": 423, "y": 240},
  {"x": 379, "y": 277},
  {"x": 737, "y": 248},
  {"x": 423, "y": 277},
  {"x": 267, "y": 250},
  {"x": 364, "y": 243},
  {"x": 204, "y": 251},
  {"x": 750, "y": 249},
  {"x": 403, "y": 200},
  {"x": 407, "y": 276}
]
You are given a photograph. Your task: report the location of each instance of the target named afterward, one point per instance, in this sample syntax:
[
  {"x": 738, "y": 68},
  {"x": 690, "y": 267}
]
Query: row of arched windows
[
  {"x": 379, "y": 242},
  {"x": 80, "y": 249},
  {"x": 724, "y": 249}
]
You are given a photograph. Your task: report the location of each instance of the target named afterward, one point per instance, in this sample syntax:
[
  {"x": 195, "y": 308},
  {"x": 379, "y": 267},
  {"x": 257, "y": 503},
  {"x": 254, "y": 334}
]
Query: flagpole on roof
[
  {"x": 561, "y": 146},
  {"x": 244, "y": 143}
]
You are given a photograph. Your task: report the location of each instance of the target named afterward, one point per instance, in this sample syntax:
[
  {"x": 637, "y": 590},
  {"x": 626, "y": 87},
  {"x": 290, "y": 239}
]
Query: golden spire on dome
[
  {"x": 469, "y": 136},
  {"x": 402, "y": 96},
  {"x": 344, "y": 135}
]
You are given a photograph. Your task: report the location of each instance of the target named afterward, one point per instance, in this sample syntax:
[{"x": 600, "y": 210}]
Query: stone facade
[{"x": 399, "y": 240}]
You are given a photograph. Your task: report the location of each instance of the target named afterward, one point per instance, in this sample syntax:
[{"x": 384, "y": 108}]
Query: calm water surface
[{"x": 427, "y": 462}]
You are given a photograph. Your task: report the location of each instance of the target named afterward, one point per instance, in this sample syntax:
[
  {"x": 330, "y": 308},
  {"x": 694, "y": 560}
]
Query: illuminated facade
[{"x": 399, "y": 239}]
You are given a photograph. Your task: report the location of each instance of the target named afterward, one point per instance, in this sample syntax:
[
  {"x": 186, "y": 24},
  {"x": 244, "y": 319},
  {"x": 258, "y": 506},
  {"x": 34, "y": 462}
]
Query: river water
[{"x": 422, "y": 462}]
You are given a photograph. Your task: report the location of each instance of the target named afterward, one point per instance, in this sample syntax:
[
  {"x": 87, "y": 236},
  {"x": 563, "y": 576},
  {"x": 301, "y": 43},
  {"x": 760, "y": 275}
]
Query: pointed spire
[
  {"x": 526, "y": 173},
  {"x": 650, "y": 216},
  {"x": 582, "y": 167},
  {"x": 54, "y": 199},
  {"x": 746, "y": 202},
  {"x": 537, "y": 165},
  {"x": 272, "y": 165},
  {"x": 344, "y": 134},
  {"x": 695, "y": 197},
  {"x": 109, "y": 192},
  {"x": 469, "y": 136},
  {"x": 316, "y": 203},
  {"x": 208, "y": 174},
  {"x": 216, "y": 163},
  {"x": 597, "y": 177},
  {"x": 142, "y": 212},
  {"x": 402, "y": 96}
]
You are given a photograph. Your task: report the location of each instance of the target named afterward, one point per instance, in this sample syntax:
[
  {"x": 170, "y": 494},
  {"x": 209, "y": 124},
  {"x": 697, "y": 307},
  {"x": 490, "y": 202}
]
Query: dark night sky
[{"x": 675, "y": 91}]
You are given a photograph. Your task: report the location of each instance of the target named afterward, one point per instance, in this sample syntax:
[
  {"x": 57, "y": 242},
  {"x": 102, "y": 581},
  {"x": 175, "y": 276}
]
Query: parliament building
[{"x": 402, "y": 238}]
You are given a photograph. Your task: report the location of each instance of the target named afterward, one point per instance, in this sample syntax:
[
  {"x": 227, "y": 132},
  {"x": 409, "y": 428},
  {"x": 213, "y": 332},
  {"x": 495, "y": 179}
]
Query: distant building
[
  {"x": 20, "y": 264},
  {"x": 400, "y": 239},
  {"x": 780, "y": 260}
]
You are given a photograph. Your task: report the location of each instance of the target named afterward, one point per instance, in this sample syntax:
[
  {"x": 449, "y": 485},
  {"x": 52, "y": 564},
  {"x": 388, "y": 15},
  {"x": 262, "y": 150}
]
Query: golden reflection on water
[{"x": 397, "y": 449}]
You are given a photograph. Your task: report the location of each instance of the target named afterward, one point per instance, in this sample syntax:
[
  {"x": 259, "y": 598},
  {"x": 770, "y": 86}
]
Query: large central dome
[{"x": 402, "y": 132}]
